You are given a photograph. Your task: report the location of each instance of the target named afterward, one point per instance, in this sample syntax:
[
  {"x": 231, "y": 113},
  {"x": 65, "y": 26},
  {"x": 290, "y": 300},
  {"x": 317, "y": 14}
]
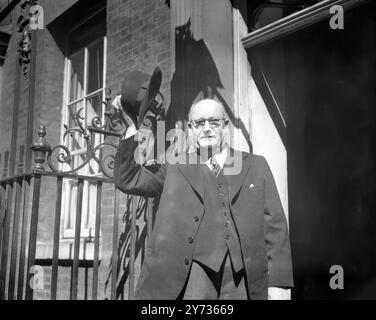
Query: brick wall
[
  {"x": 138, "y": 38},
  {"x": 138, "y": 33},
  {"x": 7, "y": 95},
  {"x": 49, "y": 82}
]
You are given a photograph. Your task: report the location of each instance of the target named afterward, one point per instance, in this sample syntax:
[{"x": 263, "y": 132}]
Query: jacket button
[
  {"x": 190, "y": 240},
  {"x": 227, "y": 236},
  {"x": 196, "y": 218},
  {"x": 186, "y": 261}
]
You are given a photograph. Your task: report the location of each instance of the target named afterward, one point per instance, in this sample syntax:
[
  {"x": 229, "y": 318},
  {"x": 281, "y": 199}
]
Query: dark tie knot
[{"x": 215, "y": 166}]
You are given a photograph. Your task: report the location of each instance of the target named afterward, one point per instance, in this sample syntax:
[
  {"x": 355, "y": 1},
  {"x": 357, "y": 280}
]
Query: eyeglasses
[{"x": 213, "y": 123}]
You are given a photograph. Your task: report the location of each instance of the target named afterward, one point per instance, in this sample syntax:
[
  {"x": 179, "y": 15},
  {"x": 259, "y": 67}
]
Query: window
[{"x": 84, "y": 93}]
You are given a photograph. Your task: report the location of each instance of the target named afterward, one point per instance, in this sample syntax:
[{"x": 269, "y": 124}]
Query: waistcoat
[{"x": 217, "y": 232}]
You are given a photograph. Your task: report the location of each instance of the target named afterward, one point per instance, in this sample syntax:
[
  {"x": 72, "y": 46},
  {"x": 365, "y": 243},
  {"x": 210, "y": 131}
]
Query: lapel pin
[{"x": 252, "y": 185}]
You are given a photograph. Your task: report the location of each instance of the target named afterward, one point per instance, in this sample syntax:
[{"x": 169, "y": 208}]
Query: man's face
[{"x": 207, "y": 124}]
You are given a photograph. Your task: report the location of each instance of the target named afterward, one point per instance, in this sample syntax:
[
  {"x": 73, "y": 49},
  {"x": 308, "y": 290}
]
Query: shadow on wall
[
  {"x": 124, "y": 246},
  {"x": 196, "y": 77}
]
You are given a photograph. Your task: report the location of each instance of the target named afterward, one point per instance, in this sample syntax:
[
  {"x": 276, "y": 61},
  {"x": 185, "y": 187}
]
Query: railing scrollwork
[{"x": 59, "y": 158}]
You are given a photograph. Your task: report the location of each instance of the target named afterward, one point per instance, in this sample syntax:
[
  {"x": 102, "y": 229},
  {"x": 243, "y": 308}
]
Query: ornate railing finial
[
  {"x": 20, "y": 167},
  {"x": 41, "y": 148},
  {"x": 5, "y": 167}
]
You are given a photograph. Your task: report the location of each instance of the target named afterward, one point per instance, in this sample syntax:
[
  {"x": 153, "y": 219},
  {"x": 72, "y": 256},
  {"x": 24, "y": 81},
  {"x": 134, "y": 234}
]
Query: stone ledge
[{"x": 66, "y": 250}]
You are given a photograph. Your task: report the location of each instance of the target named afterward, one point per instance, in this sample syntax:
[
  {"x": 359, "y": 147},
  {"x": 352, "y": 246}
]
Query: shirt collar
[{"x": 220, "y": 157}]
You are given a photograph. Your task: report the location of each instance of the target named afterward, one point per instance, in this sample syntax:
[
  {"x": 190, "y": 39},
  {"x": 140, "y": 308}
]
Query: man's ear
[{"x": 226, "y": 132}]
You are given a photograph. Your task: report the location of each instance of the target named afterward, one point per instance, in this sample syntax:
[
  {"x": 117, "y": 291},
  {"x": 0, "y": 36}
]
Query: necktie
[{"x": 215, "y": 166}]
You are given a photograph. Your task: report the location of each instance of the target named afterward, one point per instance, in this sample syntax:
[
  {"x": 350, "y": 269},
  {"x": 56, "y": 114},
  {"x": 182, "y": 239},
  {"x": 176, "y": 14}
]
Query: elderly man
[{"x": 219, "y": 233}]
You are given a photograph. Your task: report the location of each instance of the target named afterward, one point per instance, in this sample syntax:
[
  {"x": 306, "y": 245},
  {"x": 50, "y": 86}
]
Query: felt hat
[{"x": 138, "y": 91}]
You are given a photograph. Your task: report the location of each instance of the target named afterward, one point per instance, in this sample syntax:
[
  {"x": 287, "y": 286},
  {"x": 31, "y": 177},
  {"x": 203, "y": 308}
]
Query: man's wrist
[
  {"x": 130, "y": 132},
  {"x": 278, "y": 293}
]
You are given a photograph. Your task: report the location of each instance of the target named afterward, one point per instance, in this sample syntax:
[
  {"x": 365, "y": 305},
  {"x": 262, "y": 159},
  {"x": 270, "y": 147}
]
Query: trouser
[{"x": 205, "y": 284}]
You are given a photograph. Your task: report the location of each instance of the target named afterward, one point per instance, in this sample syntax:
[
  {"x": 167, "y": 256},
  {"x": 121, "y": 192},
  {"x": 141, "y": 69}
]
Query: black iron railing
[
  {"x": 20, "y": 206},
  {"x": 18, "y": 235}
]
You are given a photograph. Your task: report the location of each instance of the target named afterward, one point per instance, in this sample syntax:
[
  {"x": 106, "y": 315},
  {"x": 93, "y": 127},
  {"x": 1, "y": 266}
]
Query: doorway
[{"x": 324, "y": 82}]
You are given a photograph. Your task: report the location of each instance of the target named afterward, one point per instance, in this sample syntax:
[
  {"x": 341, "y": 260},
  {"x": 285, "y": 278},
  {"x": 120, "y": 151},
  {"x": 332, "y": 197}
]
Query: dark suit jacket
[{"x": 257, "y": 212}]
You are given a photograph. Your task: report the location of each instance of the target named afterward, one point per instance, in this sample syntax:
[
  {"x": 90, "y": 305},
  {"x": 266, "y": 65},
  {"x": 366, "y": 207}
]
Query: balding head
[
  {"x": 207, "y": 122},
  {"x": 207, "y": 107}
]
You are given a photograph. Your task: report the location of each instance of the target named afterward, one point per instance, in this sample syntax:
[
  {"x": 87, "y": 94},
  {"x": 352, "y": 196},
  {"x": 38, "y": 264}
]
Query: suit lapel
[
  {"x": 235, "y": 170},
  {"x": 193, "y": 174}
]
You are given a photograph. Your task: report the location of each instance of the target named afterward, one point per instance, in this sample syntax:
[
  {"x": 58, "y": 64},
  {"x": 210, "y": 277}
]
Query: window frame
[{"x": 86, "y": 232}]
